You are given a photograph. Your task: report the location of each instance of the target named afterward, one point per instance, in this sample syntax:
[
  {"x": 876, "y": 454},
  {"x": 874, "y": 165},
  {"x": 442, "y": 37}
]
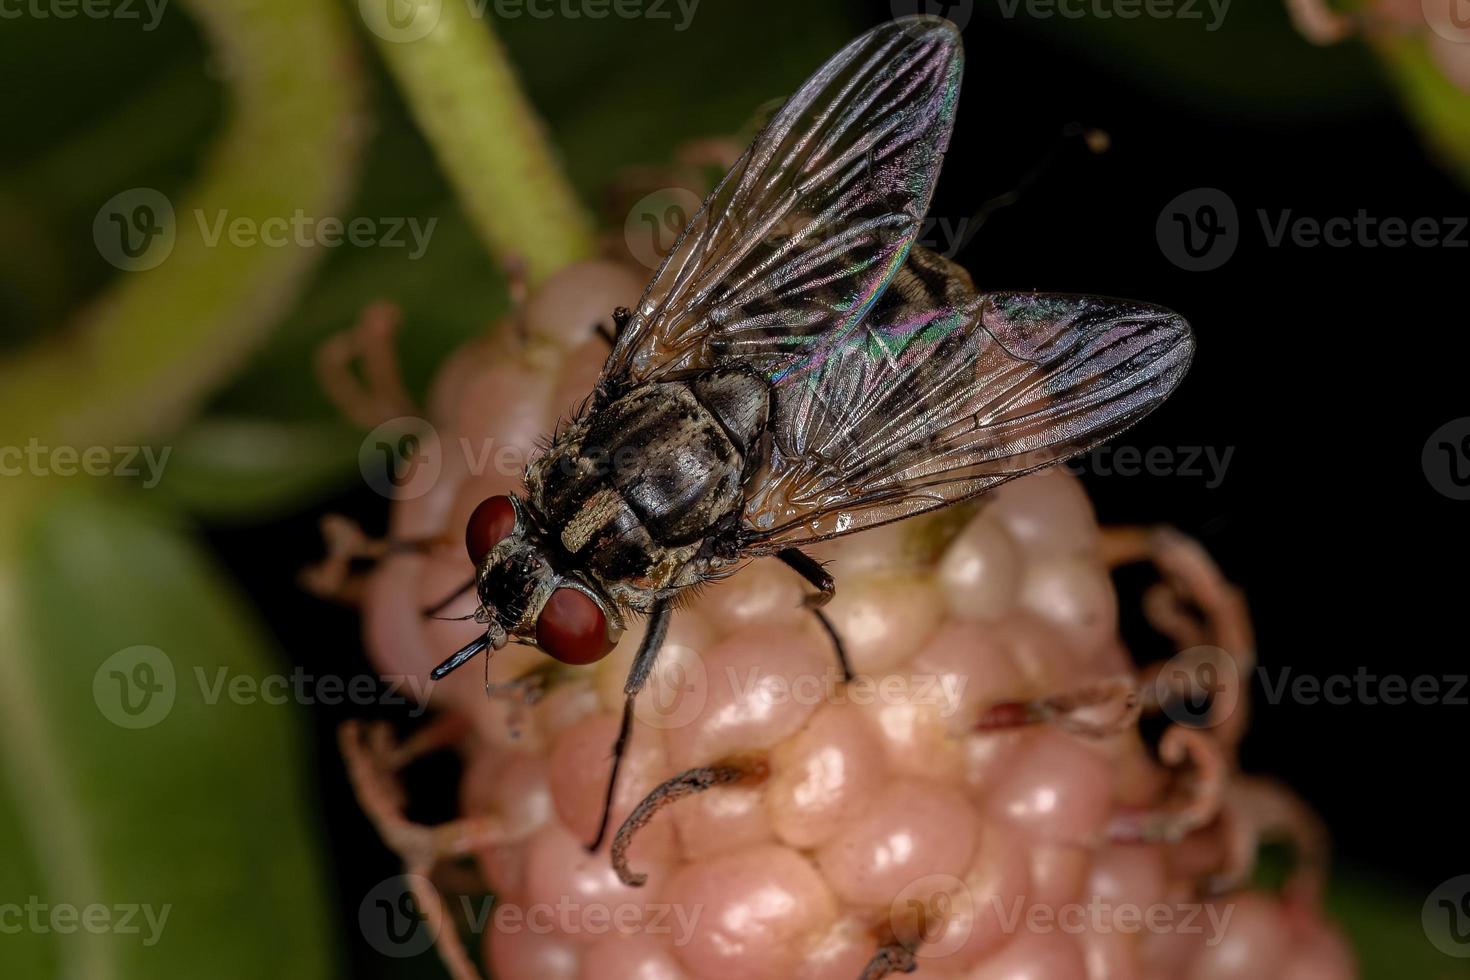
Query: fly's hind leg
[
  {"x": 810, "y": 569},
  {"x": 638, "y": 674}
]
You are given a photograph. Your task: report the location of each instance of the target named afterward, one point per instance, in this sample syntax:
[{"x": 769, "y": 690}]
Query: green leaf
[
  {"x": 126, "y": 781},
  {"x": 1382, "y": 922},
  {"x": 249, "y": 468}
]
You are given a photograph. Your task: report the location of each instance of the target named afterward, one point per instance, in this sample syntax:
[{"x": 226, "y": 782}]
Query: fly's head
[{"x": 523, "y": 597}]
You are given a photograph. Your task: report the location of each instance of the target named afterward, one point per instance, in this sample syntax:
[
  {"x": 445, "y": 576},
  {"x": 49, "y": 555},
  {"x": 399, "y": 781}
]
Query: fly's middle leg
[
  {"x": 638, "y": 674},
  {"x": 810, "y": 569}
]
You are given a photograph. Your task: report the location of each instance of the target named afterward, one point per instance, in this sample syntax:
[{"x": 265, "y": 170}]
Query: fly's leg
[
  {"x": 621, "y": 316},
  {"x": 448, "y": 600},
  {"x": 643, "y": 661},
  {"x": 810, "y": 569}
]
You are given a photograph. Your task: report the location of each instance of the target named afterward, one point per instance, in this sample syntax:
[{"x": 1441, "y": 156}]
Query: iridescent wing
[
  {"x": 932, "y": 404},
  {"x": 802, "y": 236}
]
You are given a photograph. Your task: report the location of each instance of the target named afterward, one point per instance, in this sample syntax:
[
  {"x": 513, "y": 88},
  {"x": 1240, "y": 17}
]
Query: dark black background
[{"x": 1324, "y": 370}]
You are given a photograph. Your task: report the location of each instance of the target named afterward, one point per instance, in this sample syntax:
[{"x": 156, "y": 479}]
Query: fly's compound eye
[
  {"x": 573, "y": 628},
  {"x": 490, "y": 523}
]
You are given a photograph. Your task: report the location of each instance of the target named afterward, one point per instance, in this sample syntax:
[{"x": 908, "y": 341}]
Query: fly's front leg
[
  {"x": 638, "y": 674},
  {"x": 810, "y": 569}
]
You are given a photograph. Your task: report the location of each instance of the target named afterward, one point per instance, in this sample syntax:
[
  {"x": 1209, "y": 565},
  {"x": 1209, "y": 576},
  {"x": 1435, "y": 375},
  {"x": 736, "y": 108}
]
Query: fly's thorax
[{"x": 635, "y": 494}]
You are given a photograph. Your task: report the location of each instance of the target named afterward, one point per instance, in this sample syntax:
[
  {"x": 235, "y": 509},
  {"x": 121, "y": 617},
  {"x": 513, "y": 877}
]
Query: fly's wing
[
  {"x": 926, "y": 407},
  {"x": 793, "y": 247}
]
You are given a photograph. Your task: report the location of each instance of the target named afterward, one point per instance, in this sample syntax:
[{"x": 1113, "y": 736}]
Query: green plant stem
[
  {"x": 138, "y": 361},
  {"x": 465, "y": 97}
]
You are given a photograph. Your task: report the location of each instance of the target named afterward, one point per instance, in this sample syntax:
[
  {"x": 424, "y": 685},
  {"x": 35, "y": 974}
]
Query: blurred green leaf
[
  {"x": 607, "y": 90},
  {"x": 1382, "y": 922},
  {"x": 246, "y": 468},
  {"x": 198, "y": 806}
]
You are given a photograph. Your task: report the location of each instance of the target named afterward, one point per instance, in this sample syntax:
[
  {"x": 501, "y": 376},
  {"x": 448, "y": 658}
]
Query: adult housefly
[{"x": 798, "y": 369}]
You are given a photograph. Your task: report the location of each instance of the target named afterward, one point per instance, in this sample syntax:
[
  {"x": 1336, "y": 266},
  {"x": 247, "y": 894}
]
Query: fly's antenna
[
  {"x": 444, "y": 603},
  {"x": 1096, "y": 141}
]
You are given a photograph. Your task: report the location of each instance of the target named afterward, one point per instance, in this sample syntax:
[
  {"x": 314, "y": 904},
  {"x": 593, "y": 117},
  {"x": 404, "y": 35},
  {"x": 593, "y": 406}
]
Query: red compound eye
[
  {"x": 490, "y": 524},
  {"x": 572, "y": 628}
]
